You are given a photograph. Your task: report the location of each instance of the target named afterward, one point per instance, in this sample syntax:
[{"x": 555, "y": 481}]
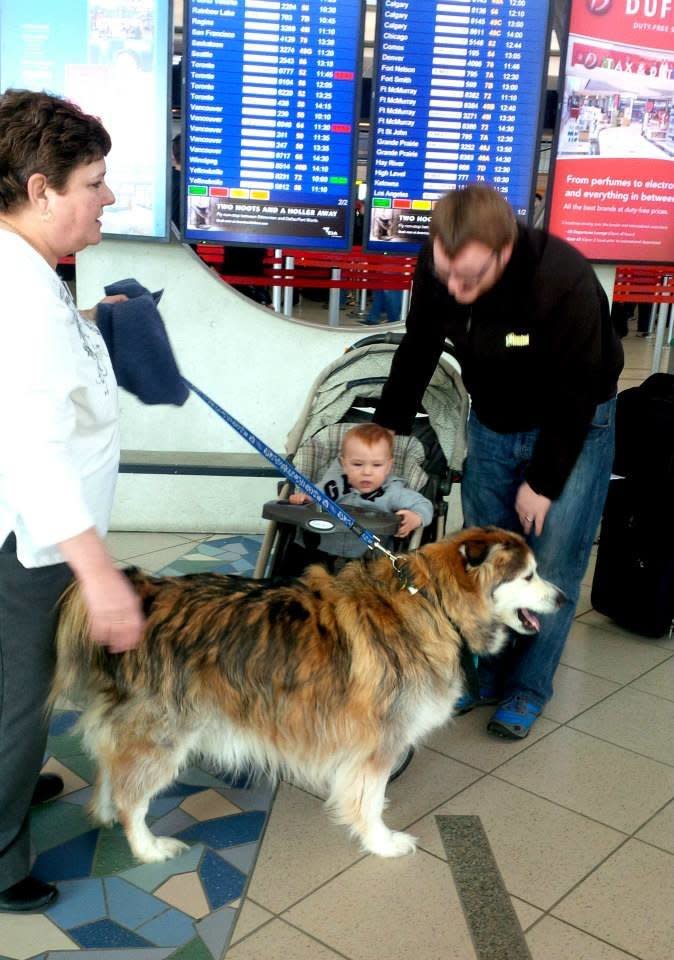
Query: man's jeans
[{"x": 494, "y": 470}]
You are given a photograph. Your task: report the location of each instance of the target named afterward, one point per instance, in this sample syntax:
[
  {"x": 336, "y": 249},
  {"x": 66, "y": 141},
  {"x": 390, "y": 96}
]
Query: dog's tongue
[{"x": 529, "y": 619}]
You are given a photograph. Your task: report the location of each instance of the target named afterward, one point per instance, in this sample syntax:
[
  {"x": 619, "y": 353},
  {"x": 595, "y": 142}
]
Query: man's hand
[
  {"x": 532, "y": 509},
  {"x": 409, "y": 521}
]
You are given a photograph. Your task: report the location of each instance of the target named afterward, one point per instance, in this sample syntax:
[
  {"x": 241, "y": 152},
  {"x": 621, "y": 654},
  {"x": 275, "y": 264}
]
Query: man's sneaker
[
  {"x": 514, "y": 718},
  {"x": 401, "y": 764},
  {"x": 468, "y": 702}
]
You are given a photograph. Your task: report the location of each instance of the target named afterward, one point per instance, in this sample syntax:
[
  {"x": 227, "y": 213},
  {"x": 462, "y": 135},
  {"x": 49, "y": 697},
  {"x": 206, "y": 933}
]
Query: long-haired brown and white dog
[{"x": 324, "y": 679}]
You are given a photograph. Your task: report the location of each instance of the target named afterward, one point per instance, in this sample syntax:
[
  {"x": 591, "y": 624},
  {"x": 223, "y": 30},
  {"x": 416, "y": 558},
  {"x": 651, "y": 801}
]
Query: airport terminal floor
[{"x": 577, "y": 821}]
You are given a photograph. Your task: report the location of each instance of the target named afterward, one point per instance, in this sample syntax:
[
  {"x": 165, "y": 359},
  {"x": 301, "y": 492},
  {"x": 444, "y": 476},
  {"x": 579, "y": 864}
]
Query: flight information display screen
[
  {"x": 459, "y": 89},
  {"x": 271, "y": 121}
]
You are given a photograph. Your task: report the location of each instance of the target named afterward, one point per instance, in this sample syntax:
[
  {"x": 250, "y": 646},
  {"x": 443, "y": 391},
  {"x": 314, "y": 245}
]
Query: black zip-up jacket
[{"x": 537, "y": 350}]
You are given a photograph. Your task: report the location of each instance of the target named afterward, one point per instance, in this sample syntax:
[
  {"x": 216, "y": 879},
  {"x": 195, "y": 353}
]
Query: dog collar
[
  {"x": 468, "y": 663},
  {"x": 467, "y": 659}
]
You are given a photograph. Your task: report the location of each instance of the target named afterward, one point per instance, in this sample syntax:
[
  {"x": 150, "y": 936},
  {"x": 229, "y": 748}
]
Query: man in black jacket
[{"x": 531, "y": 328}]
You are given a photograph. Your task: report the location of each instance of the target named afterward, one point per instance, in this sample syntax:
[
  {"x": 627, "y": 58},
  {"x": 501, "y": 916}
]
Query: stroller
[
  {"x": 429, "y": 460},
  {"x": 344, "y": 394}
]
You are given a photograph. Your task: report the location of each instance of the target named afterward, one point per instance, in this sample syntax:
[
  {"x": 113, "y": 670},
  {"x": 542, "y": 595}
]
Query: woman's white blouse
[{"x": 59, "y": 433}]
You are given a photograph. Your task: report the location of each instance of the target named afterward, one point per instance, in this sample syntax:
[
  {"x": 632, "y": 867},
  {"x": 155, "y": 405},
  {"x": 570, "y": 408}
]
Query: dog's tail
[{"x": 76, "y": 652}]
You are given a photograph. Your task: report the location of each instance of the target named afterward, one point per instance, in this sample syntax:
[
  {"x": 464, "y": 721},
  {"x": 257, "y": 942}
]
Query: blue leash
[{"x": 288, "y": 470}]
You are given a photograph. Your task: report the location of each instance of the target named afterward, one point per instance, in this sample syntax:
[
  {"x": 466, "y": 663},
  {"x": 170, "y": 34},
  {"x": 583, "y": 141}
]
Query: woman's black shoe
[
  {"x": 26, "y": 895},
  {"x": 48, "y": 786}
]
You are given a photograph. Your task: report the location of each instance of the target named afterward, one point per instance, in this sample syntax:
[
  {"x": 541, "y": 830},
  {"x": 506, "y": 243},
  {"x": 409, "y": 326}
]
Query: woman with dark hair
[{"x": 59, "y": 447}]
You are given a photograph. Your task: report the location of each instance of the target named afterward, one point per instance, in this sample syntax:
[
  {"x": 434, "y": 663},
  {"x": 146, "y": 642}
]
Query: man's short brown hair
[
  {"x": 369, "y": 434},
  {"x": 40, "y": 133},
  {"x": 476, "y": 213}
]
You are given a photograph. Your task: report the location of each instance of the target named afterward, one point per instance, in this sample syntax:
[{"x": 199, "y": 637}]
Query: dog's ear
[{"x": 474, "y": 551}]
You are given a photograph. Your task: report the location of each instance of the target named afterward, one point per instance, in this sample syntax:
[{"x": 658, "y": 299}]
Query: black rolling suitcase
[{"x": 634, "y": 575}]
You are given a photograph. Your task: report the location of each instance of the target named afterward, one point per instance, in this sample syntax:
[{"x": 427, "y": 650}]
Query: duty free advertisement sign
[{"x": 613, "y": 178}]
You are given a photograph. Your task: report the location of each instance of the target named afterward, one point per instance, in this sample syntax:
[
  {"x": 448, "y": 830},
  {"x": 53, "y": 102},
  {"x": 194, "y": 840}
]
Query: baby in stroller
[
  {"x": 362, "y": 476},
  {"x": 428, "y": 459}
]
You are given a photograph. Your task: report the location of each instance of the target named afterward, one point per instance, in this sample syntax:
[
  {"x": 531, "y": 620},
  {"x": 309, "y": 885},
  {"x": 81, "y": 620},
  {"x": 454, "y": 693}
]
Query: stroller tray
[{"x": 310, "y": 518}]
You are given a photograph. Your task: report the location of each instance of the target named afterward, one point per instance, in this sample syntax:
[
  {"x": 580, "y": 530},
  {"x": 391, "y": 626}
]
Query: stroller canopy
[{"x": 362, "y": 372}]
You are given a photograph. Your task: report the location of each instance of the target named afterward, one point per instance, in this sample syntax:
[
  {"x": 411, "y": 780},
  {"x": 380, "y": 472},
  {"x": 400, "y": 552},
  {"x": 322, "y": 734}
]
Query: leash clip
[{"x": 405, "y": 582}]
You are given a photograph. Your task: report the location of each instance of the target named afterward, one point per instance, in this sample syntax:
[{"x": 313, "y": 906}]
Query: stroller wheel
[{"x": 402, "y": 763}]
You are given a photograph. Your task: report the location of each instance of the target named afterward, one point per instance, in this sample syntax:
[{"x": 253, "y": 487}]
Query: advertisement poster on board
[
  {"x": 613, "y": 187},
  {"x": 111, "y": 58}
]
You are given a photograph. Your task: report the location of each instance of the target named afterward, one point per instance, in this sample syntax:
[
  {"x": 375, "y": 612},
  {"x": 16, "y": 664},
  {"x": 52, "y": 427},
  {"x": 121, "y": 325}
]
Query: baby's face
[{"x": 366, "y": 467}]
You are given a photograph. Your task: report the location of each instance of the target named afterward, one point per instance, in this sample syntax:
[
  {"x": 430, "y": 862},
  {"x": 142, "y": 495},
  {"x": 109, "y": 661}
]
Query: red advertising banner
[{"x": 613, "y": 178}]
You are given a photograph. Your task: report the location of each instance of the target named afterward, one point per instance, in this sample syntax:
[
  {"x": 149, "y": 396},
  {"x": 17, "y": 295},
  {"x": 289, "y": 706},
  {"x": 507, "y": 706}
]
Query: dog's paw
[
  {"x": 391, "y": 843},
  {"x": 163, "y": 848},
  {"x": 103, "y": 814}
]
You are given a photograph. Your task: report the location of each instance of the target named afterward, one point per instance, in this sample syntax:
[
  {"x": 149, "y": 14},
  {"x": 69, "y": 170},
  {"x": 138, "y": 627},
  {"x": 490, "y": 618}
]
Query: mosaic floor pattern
[
  {"x": 185, "y": 908},
  {"x": 219, "y": 555}
]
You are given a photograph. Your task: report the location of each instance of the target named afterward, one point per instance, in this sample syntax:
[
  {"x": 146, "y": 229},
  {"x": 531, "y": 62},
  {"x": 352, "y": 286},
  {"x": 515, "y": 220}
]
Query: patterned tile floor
[
  {"x": 222, "y": 554},
  {"x": 184, "y": 908},
  {"x": 579, "y": 817}
]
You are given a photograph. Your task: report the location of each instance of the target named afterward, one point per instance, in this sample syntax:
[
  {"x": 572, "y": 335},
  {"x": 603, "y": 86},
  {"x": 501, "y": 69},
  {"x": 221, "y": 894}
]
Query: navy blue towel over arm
[{"x": 139, "y": 346}]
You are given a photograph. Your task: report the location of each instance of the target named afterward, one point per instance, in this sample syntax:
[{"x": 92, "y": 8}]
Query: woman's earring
[{"x": 47, "y": 215}]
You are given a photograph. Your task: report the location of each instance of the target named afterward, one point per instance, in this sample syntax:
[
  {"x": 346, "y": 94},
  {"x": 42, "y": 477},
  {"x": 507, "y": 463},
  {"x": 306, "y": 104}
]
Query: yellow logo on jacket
[{"x": 517, "y": 340}]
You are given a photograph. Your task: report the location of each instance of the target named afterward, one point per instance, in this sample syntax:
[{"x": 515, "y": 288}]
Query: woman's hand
[
  {"x": 409, "y": 521},
  {"x": 90, "y": 314},
  {"x": 532, "y": 509},
  {"x": 115, "y": 616}
]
